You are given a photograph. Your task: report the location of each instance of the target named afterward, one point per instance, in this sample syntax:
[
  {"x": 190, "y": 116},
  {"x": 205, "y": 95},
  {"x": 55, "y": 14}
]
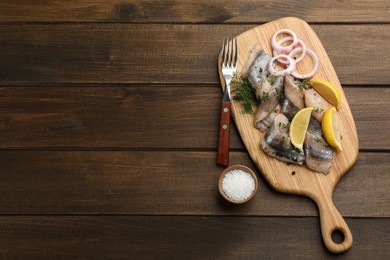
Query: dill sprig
[
  {"x": 280, "y": 92},
  {"x": 265, "y": 96},
  {"x": 304, "y": 84},
  {"x": 271, "y": 79},
  {"x": 244, "y": 93},
  {"x": 318, "y": 110}
]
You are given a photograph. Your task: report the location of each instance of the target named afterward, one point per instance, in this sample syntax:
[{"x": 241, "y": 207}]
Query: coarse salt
[{"x": 238, "y": 185}]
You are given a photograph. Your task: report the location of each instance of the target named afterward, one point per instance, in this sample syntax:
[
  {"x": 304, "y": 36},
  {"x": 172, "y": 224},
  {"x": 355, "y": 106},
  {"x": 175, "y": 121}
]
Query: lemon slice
[
  {"x": 327, "y": 90},
  {"x": 299, "y": 126},
  {"x": 330, "y": 129}
]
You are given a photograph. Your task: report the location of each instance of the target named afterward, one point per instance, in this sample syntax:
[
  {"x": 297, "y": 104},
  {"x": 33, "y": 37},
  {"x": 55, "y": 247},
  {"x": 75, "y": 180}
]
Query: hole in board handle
[{"x": 338, "y": 236}]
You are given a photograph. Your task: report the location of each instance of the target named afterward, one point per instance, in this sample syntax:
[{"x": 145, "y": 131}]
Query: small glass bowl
[{"x": 237, "y": 167}]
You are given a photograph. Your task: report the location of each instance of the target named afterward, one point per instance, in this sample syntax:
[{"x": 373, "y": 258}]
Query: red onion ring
[
  {"x": 315, "y": 66},
  {"x": 293, "y": 52},
  {"x": 284, "y": 49},
  {"x": 284, "y": 72}
]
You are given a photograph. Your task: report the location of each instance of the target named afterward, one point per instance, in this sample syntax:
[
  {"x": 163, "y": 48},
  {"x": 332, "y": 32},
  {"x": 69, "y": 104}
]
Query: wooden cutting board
[{"x": 290, "y": 178}]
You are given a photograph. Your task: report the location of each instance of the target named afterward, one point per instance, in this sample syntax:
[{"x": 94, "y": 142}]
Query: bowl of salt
[{"x": 238, "y": 184}]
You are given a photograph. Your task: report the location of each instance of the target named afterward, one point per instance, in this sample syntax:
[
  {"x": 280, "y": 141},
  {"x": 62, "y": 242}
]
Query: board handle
[{"x": 331, "y": 221}]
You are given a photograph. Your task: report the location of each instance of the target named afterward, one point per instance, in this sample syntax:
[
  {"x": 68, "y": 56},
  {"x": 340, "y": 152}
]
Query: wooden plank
[
  {"x": 161, "y": 53},
  {"x": 172, "y": 237},
  {"x": 370, "y": 121},
  {"x": 142, "y": 117},
  {"x": 202, "y": 11},
  {"x": 133, "y": 182}
]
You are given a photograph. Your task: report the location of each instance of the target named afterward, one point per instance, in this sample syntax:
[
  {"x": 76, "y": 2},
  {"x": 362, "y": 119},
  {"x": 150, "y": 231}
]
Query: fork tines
[{"x": 229, "y": 53}]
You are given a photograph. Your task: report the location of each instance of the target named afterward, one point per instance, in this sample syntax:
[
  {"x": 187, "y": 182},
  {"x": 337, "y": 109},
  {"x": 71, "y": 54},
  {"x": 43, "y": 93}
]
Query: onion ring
[
  {"x": 315, "y": 66},
  {"x": 284, "y": 49},
  {"x": 293, "y": 52},
  {"x": 284, "y": 72}
]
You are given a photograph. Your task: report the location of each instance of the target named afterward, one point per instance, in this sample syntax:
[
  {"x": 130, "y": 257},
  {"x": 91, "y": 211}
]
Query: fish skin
[
  {"x": 254, "y": 52},
  {"x": 259, "y": 70},
  {"x": 318, "y": 153},
  {"x": 288, "y": 108}
]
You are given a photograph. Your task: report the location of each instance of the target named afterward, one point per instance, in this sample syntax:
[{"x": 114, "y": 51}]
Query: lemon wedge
[
  {"x": 299, "y": 126},
  {"x": 327, "y": 90},
  {"x": 330, "y": 129}
]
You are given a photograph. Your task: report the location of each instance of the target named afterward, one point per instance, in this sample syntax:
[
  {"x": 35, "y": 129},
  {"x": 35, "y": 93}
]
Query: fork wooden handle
[{"x": 224, "y": 134}]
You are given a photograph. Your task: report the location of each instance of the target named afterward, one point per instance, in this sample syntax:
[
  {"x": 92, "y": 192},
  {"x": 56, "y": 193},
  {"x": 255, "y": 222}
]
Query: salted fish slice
[
  {"x": 264, "y": 124},
  {"x": 293, "y": 99},
  {"x": 270, "y": 98},
  {"x": 253, "y": 54},
  {"x": 315, "y": 100},
  {"x": 318, "y": 153},
  {"x": 258, "y": 72},
  {"x": 276, "y": 142}
]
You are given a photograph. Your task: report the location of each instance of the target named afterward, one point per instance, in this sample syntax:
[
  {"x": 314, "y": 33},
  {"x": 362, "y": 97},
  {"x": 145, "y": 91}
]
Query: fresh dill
[
  {"x": 280, "y": 91},
  {"x": 317, "y": 139},
  {"x": 282, "y": 125},
  {"x": 304, "y": 84},
  {"x": 244, "y": 93},
  {"x": 260, "y": 75},
  {"x": 318, "y": 110},
  {"x": 271, "y": 79},
  {"x": 265, "y": 96}
]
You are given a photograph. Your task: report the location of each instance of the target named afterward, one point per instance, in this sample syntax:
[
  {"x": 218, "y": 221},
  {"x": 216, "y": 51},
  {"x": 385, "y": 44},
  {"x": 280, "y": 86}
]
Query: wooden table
[{"x": 109, "y": 115}]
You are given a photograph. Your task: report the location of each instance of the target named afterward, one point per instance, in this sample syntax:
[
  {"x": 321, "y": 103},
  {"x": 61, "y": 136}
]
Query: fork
[{"x": 228, "y": 68}]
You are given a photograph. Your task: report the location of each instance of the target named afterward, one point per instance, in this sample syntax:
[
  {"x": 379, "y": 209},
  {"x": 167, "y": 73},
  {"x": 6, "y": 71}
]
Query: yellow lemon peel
[
  {"x": 330, "y": 129},
  {"x": 299, "y": 126},
  {"x": 328, "y": 91}
]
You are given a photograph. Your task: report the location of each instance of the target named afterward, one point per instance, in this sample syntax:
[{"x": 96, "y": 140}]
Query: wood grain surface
[
  {"x": 109, "y": 115},
  {"x": 132, "y": 182},
  {"x": 188, "y": 11},
  {"x": 83, "y": 116},
  {"x": 167, "y": 237},
  {"x": 142, "y": 53}
]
